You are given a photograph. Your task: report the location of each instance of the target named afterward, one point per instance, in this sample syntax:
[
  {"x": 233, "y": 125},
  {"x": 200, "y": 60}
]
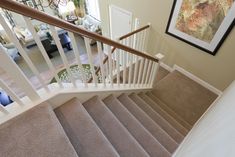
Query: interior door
[{"x": 120, "y": 22}]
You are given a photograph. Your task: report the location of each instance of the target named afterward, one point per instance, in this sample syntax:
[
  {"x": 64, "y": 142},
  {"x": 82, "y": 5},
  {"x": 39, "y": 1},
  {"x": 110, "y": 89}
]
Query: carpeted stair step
[
  {"x": 148, "y": 123},
  {"x": 164, "y": 114},
  {"x": 35, "y": 133},
  {"x": 86, "y": 137},
  {"x": 169, "y": 111},
  {"x": 148, "y": 142},
  {"x": 117, "y": 134},
  {"x": 157, "y": 118}
]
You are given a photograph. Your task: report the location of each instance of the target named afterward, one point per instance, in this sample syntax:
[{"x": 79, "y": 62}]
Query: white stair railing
[{"x": 128, "y": 68}]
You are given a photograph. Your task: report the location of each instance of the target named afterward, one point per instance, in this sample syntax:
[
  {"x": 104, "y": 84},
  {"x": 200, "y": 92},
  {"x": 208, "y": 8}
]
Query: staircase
[
  {"x": 132, "y": 125},
  {"x": 127, "y": 124}
]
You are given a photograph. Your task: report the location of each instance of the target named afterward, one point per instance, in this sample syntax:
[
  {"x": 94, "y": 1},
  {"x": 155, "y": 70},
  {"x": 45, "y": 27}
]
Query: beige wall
[{"x": 217, "y": 70}]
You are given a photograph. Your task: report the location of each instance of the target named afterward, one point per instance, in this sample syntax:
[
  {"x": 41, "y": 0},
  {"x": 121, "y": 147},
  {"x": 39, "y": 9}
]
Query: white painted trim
[
  {"x": 193, "y": 77},
  {"x": 198, "y": 80},
  {"x": 55, "y": 97},
  {"x": 166, "y": 67}
]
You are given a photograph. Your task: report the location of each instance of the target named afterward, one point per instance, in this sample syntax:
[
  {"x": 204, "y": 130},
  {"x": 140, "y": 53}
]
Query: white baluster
[
  {"x": 118, "y": 66},
  {"x": 130, "y": 60},
  {"x": 77, "y": 56},
  {"x": 142, "y": 40},
  {"x": 62, "y": 54},
  {"x": 114, "y": 63},
  {"x": 145, "y": 71},
  {"x": 100, "y": 53},
  {"x": 18, "y": 76},
  {"x": 144, "y": 34},
  {"x": 147, "y": 37},
  {"x": 154, "y": 72},
  {"x": 107, "y": 69},
  {"x": 140, "y": 76},
  {"x": 136, "y": 69},
  {"x": 124, "y": 62},
  {"x": 42, "y": 49},
  {"x": 110, "y": 65},
  {"x": 14, "y": 39},
  {"x": 10, "y": 93},
  {"x": 137, "y": 46},
  {"x": 148, "y": 73},
  {"x": 130, "y": 70},
  {"x": 90, "y": 59}
]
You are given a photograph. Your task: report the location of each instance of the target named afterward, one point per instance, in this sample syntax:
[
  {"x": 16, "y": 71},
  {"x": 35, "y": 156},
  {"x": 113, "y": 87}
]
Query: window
[{"x": 92, "y": 8}]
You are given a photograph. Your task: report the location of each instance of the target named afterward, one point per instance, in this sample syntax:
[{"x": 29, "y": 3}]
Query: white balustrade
[
  {"x": 77, "y": 56},
  {"x": 118, "y": 66},
  {"x": 42, "y": 49},
  {"x": 110, "y": 65},
  {"x": 90, "y": 59},
  {"x": 15, "y": 72},
  {"x": 61, "y": 52},
  {"x": 100, "y": 53},
  {"x": 17, "y": 44},
  {"x": 136, "y": 71}
]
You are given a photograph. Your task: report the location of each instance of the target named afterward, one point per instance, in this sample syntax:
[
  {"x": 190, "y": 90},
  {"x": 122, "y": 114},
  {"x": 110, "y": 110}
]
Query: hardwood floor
[{"x": 42, "y": 67}]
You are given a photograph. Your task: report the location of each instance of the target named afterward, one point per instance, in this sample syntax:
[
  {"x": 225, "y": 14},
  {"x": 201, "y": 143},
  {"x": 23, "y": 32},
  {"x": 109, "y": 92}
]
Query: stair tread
[
  {"x": 117, "y": 134},
  {"x": 165, "y": 115},
  {"x": 169, "y": 111},
  {"x": 157, "y": 118},
  {"x": 36, "y": 132},
  {"x": 87, "y": 139},
  {"x": 149, "y": 124},
  {"x": 142, "y": 135}
]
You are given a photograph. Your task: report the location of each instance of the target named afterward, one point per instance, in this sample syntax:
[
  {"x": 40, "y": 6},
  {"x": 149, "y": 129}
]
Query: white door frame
[{"x": 110, "y": 17}]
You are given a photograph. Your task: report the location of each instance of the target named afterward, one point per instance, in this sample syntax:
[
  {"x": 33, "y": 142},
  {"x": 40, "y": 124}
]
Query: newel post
[{"x": 156, "y": 67}]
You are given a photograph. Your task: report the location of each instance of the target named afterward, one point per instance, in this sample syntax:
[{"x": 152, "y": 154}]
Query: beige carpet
[
  {"x": 161, "y": 74},
  {"x": 36, "y": 133},
  {"x": 184, "y": 96}
]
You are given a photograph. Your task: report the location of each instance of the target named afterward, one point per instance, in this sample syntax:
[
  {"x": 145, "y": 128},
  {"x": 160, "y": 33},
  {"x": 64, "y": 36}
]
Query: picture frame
[{"x": 203, "y": 25}]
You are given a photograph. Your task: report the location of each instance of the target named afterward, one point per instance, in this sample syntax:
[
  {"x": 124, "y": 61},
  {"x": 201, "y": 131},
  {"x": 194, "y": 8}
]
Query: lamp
[{"x": 70, "y": 6}]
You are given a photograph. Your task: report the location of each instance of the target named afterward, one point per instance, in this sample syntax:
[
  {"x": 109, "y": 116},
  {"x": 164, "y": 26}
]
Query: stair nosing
[
  {"x": 172, "y": 127},
  {"x": 178, "y": 117},
  {"x": 153, "y": 120},
  {"x": 187, "y": 130},
  {"x": 97, "y": 127},
  {"x": 139, "y": 124},
  {"x": 118, "y": 122}
]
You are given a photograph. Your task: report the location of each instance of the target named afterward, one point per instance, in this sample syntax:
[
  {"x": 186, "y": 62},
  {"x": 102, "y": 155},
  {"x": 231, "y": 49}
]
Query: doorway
[{"x": 120, "y": 22}]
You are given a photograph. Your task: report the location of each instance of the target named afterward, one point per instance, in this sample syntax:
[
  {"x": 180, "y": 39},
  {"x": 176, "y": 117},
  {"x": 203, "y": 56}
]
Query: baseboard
[
  {"x": 198, "y": 80},
  {"x": 193, "y": 77},
  {"x": 167, "y": 67}
]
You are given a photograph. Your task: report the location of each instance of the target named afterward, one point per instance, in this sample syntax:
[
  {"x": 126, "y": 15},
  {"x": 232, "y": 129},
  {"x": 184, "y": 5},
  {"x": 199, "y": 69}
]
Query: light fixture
[{"x": 70, "y": 6}]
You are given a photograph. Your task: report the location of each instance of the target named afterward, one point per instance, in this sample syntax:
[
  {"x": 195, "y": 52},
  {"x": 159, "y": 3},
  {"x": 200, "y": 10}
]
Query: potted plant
[{"x": 79, "y": 11}]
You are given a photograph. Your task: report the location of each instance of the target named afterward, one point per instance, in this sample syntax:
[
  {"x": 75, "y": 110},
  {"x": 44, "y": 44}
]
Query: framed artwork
[{"x": 204, "y": 24}]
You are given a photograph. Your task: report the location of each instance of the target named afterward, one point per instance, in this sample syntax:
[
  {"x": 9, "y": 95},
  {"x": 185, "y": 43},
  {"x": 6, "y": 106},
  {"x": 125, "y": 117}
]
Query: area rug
[{"x": 76, "y": 73}]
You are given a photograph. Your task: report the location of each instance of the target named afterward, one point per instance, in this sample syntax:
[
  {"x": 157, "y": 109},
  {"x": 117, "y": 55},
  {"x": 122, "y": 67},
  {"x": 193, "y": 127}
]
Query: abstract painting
[{"x": 202, "y": 23}]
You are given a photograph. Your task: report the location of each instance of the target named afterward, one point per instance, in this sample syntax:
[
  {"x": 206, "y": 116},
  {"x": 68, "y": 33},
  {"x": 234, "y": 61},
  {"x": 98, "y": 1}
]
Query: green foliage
[{"x": 77, "y": 3}]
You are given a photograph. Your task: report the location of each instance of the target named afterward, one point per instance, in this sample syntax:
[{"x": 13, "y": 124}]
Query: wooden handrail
[
  {"x": 41, "y": 16},
  {"x": 114, "y": 48},
  {"x": 134, "y": 32}
]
